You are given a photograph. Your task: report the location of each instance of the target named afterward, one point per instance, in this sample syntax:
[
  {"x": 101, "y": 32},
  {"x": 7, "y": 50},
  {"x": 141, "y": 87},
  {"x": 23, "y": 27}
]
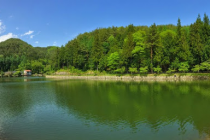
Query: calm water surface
[{"x": 44, "y": 109}]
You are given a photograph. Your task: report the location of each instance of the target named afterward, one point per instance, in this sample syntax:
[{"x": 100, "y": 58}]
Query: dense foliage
[{"x": 133, "y": 49}]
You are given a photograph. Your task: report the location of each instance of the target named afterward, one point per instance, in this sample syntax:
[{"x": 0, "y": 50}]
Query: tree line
[{"x": 130, "y": 49}]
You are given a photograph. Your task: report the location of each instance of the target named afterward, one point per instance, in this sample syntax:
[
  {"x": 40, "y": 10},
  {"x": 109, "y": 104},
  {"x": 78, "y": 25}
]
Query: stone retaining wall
[{"x": 135, "y": 78}]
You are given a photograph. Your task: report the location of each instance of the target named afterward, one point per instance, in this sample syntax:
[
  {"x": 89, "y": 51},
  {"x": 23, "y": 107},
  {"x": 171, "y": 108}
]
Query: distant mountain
[{"x": 15, "y": 46}]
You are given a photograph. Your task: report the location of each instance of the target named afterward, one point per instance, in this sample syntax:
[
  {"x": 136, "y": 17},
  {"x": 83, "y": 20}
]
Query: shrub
[
  {"x": 143, "y": 69},
  {"x": 133, "y": 70},
  {"x": 196, "y": 68},
  {"x": 17, "y": 74},
  {"x": 170, "y": 71},
  {"x": 158, "y": 69},
  {"x": 184, "y": 67}
]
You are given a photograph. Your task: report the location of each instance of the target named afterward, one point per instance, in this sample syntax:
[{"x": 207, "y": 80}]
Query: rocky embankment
[{"x": 134, "y": 78}]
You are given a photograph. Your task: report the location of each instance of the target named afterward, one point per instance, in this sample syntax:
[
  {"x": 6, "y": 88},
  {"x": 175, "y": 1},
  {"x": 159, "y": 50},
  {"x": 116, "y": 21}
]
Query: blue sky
[{"x": 55, "y": 22}]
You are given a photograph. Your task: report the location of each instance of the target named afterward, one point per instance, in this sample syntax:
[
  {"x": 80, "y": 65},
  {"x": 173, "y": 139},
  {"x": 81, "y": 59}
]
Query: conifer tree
[
  {"x": 128, "y": 46},
  {"x": 196, "y": 40},
  {"x": 153, "y": 41},
  {"x": 97, "y": 50},
  {"x": 206, "y": 28}
]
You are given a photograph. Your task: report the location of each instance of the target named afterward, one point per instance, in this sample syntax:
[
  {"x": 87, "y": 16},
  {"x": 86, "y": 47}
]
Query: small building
[{"x": 27, "y": 73}]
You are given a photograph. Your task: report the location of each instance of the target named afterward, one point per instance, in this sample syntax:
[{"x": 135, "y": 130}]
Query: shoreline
[{"x": 132, "y": 78}]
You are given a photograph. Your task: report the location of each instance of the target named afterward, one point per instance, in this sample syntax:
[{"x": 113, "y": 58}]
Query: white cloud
[
  {"x": 2, "y": 27},
  {"x": 31, "y": 36},
  {"x": 37, "y": 42},
  {"x": 28, "y": 33},
  {"x": 7, "y": 36}
]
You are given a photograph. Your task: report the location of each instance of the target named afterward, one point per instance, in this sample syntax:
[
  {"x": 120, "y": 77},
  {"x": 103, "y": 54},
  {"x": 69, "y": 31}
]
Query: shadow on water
[{"x": 156, "y": 104}]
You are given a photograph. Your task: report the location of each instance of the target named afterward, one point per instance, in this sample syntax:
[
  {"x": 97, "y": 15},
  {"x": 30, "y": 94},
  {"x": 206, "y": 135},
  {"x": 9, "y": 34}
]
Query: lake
[{"x": 33, "y": 108}]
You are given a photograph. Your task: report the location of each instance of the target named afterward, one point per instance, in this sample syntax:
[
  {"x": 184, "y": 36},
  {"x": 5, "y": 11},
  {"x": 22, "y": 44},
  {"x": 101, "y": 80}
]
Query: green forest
[{"x": 131, "y": 49}]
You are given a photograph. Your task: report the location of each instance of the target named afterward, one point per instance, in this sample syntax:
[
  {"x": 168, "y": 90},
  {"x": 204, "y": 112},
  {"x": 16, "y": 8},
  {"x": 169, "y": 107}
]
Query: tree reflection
[{"x": 156, "y": 104}]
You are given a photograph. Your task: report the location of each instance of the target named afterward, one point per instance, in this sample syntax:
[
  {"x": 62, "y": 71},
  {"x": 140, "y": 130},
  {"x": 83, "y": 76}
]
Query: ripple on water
[
  {"x": 103, "y": 110},
  {"x": 2, "y": 137}
]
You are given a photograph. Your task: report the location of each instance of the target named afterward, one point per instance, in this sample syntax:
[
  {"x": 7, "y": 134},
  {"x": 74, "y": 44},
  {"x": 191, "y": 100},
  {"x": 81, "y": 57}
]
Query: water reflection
[
  {"x": 15, "y": 95},
  {"x": 156, "y": 104},
  {"x": 80, "y": 109}
]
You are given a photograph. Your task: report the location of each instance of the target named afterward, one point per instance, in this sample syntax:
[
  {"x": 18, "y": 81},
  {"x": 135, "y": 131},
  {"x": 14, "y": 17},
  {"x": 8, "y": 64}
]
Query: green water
[{"x": 43, "y": 109}]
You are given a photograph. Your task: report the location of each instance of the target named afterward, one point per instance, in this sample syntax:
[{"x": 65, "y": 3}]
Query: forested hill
[
  {"x": 16, "y": 54},
  {"x": 14, "y": 47},
  {"x": 166, "y": 48}
]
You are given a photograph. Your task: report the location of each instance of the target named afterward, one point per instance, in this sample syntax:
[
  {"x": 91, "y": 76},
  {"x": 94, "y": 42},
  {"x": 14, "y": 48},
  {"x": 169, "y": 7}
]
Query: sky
[{"x": 55, "y": 22}]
